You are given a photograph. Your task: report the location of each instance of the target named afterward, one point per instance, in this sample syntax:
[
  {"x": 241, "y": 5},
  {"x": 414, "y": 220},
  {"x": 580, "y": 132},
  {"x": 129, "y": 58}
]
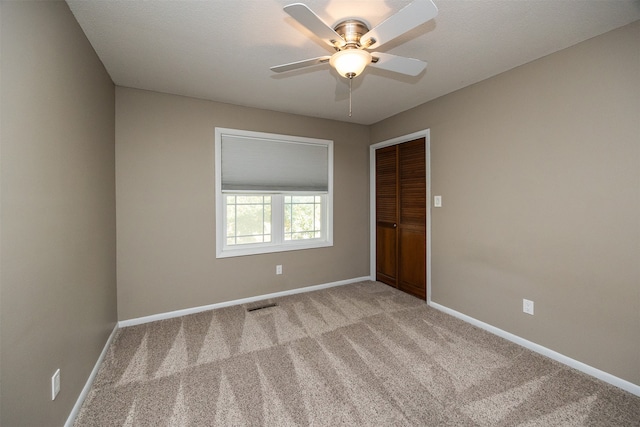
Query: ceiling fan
[{"x": 352, "y": 38}]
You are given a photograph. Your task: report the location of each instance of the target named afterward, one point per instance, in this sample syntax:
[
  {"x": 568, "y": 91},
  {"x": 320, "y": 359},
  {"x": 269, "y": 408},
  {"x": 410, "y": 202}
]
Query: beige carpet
[{"x": 360, "y": 354}]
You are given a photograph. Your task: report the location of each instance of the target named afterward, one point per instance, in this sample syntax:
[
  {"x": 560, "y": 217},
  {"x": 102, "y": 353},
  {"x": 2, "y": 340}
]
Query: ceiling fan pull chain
[{"x": 350, "y": 81}]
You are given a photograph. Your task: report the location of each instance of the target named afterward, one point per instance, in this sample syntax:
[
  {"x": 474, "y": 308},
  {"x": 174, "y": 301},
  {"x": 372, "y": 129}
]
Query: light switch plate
[
  {"x": 437, "y": 201},
  {"x": 55, "y": 384}
]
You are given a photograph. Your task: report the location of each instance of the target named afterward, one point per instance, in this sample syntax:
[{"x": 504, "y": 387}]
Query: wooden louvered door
[
  {"x": 401, "y": 217},
  {"x": 387, "y": 215}
]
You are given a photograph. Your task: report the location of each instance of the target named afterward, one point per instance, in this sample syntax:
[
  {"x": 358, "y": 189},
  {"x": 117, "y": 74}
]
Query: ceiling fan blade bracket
[
  {"x": 368, "y": 43},
  {"x": 337, "y": 45}
]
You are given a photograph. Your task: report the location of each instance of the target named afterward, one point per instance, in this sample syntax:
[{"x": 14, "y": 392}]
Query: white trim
[
  {"x": 85, "y": 390},
  {"x": 277, "y": 244},
  {"x": 565, "y": 360},
  {"x": 193, "y": 310},
  {"x": 426, "y": 134}
]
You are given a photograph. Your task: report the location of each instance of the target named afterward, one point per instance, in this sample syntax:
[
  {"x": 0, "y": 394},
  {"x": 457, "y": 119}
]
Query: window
[{"x": 273, "y": 193}]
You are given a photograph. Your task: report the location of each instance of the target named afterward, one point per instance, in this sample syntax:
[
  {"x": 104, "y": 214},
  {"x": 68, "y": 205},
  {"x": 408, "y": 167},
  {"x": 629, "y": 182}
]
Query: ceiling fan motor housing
[{"x": 351, "y": 30}]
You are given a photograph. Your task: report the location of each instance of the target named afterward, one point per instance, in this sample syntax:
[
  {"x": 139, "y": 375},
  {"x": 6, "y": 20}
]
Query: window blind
[{"x": 266, "y": 165}]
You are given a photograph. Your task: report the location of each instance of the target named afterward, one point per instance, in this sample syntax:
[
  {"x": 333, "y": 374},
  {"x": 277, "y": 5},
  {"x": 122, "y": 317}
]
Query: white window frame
[{"x": 277, "y": 244}]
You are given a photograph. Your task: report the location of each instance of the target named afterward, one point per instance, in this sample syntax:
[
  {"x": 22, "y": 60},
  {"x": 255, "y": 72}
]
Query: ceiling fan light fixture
[{"x": 350, "y": 62}]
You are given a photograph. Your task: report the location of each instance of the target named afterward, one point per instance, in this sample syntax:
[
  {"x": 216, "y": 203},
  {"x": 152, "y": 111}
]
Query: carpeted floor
[{"x": 360, "y": 354}]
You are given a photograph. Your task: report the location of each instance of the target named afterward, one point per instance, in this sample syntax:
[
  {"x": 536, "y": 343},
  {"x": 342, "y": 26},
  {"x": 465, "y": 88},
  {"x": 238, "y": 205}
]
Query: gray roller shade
[{"x": 264, "y": 165}]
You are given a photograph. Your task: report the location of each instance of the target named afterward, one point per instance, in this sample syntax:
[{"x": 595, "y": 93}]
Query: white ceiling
[{"x": 221, "y": 50}]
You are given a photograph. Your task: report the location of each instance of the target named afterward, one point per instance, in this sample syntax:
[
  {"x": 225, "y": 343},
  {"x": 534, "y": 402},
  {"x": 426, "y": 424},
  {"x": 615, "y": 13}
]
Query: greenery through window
[
  {"x": 253, "y": 219},
  {"x": 302, "y": 217},
  {"x": 248, "y": 219}
]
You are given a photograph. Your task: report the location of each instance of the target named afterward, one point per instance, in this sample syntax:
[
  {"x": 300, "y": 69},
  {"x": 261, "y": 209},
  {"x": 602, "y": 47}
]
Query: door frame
[{"x": 372, "y": 199}]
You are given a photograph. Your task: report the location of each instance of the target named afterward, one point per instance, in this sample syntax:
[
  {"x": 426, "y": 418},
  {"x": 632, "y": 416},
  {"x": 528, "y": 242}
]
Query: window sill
[{"x": 257, "y": 250}]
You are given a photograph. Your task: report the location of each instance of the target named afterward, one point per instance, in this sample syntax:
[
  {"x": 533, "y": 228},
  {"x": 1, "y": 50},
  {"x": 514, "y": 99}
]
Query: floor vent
[{"x": 260, "y": 307}]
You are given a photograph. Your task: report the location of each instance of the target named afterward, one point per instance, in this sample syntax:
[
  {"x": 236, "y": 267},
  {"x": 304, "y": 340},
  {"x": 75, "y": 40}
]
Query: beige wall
[
  {"x": 57, "y": 281},
  {"x": 539, "y": 171},
  {"x": 166, "y": 210}
]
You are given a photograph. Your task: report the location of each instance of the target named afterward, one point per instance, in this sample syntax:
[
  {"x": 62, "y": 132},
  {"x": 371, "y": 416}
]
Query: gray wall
[
  {"x": 539, "y": 170},
  {"x": 57, "y": 198},
  {"x": 166, "y": 206}
]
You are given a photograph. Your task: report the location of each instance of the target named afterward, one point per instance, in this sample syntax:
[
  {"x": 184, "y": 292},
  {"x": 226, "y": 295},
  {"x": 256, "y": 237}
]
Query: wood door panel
[
  {"x": 386, "y": 259},
  {"x": 386, "y": 215},
  {"x": 412, "y": 183},
  {"x": 386, "y": 185},
  {"x": 412, "y": 261}
]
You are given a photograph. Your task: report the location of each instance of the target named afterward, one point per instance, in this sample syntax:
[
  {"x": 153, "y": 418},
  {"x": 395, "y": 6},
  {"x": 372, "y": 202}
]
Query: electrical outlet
[
  {"x": 527, "y": 306},
  {"x": 278, "y": 269},
  {"x": 55, "y": 384}
]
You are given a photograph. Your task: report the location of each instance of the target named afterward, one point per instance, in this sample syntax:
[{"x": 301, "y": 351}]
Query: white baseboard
[
  {"x": 89, "y": 383},
  {"x": 590, "y": 370},
  {"x": 193, "y": 310}
]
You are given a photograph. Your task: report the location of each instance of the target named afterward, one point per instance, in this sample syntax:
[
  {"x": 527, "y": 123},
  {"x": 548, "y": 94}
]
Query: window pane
[
  {"x": 244, "y": 240},
  {"x": 267, "y": 219},
  {"x": 303, "y": 199},
  {"x": 248, "y": 219},
  {"x": 302, "y": 217},
  {"x": 231, "y": 224},
  {"x": 318, "y": 217},
  {"x": 252, "y": 200}
]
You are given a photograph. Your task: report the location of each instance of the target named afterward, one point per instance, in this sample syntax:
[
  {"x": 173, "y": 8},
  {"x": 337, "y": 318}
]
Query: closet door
[
  {"x": 387, "y": 215},
  {"x": 401, "y": 217},
  {"x": 412, "y": 224}
]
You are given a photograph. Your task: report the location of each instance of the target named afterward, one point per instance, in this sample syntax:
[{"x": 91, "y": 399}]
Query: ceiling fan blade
[
  {"x": 398, "y": 64},
  {"x": 300, "y": 64},
  {"x": 305, "y": 16},
  {"x": 409, "y": 17}
]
